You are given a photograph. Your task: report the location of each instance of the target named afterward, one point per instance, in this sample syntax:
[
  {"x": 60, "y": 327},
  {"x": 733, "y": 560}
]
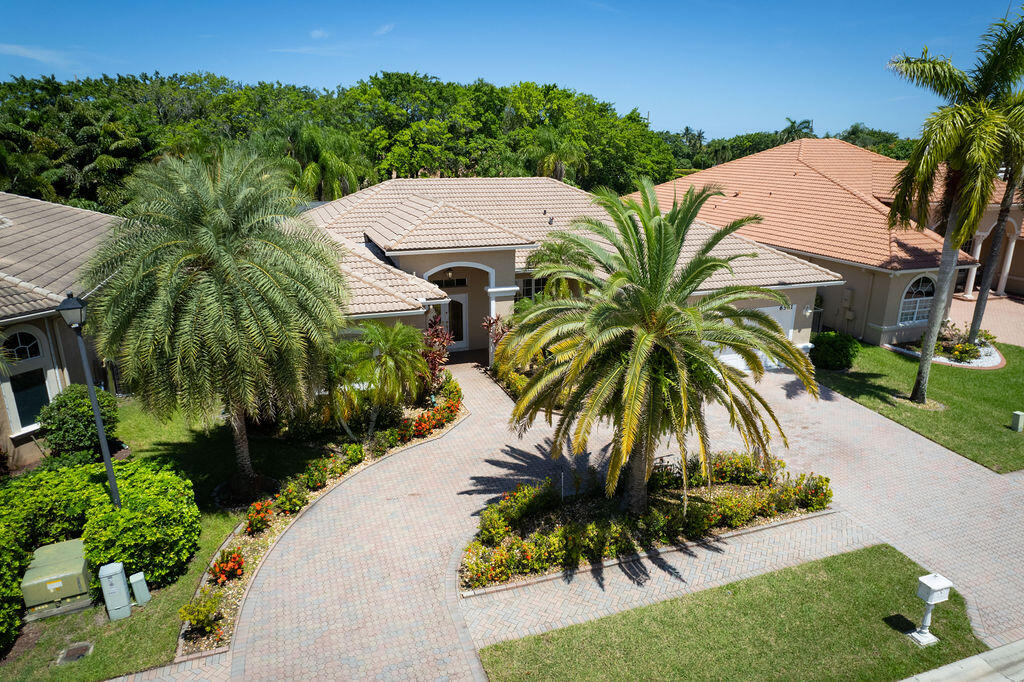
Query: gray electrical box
[
  {"x": 139, "y": 588},
  {"x": 115, "y": 591},
  {"x": 57, "y": 580}
]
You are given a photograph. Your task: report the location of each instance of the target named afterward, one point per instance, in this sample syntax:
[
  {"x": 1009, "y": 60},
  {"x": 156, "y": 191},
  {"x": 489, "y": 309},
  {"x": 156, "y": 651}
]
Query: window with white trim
[
  {"x": 917, "y": 301},
  {"x": 31, "y": 381},
  {"x": 529, "y": 287}
]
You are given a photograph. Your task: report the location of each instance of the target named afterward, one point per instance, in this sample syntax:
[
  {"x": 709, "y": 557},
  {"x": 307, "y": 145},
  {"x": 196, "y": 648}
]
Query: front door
[{"x": 456, "y": 316}]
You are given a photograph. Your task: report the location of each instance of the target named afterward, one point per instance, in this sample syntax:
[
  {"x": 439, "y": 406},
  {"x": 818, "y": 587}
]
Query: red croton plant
[{"x": 436, "y": 338}]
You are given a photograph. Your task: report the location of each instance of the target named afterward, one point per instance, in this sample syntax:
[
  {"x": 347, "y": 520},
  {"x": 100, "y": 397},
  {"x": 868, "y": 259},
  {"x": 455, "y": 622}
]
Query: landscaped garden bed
[
  {"x": 953, "y": 348},
  {"x": 533, "y": 531}
]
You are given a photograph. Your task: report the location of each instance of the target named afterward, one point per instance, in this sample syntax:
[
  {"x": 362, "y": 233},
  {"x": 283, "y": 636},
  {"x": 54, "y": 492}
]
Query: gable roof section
[
  {"x": 528, "y": 208},
  {"x": 422, "y": 223},
  {"x": 42, "y": 247},
  {"x": 816, "y": 197},
  {"x": 374, "y": 287}
]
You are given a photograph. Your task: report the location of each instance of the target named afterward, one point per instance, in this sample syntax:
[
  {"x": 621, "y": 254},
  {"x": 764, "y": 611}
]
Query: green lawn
[
  {"x": 150, "y": 637},
  {"x": 837, "y": 618},
  {"x": 980, "y": 403}
]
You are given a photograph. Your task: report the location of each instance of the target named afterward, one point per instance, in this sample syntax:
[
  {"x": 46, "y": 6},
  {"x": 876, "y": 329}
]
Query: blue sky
[{"x": 724, "y": 67}]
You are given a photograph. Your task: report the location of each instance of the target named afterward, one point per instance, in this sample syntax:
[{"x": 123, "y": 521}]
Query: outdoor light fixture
[
  {"x": 1017, "y": 422},
  {"x": 450, "y": 273},
  {"x": 72, "y": 309},
  {"x": 933, "y": 589}
]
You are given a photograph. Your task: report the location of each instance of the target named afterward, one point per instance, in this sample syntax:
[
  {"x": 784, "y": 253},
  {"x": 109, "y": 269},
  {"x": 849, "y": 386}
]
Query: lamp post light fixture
[
  {"x": 72, "y": 309},
  {"x": 933, "y": 589}
]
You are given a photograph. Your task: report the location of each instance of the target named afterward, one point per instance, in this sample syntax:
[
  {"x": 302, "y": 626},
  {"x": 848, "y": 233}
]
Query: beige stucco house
[
  {"x": 827, "y": 201},
  {"x": 454, "y": 247},
  {"x": 470, "y": 238}
]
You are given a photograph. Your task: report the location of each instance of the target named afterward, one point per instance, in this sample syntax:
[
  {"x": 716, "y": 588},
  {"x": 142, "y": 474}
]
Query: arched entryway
[{"x": 469, "y": 286}]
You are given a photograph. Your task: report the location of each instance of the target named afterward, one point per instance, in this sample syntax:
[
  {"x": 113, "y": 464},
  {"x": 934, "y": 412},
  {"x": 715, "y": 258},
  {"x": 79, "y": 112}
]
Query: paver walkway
[
  {"x": 1004, "y": 317},
  {"x": 363, "y": 585}
]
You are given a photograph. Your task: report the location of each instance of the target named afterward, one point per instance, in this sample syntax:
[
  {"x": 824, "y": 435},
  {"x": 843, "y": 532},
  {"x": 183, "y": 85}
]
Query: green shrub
[
  {"x": 291, "y": 498},
  {"x": 70, "y": 459},
  {"x": 783, "y": 496},
  {"x": 156, "y": 531},
  {"x": 735, "y": 509},
  {"x": 497, "y": 519},
  {"x": 68, "y": 422},
  {"x": 450, "y": 389},
  {"x": 516, "y": 383},
  {"x": 315, "y": 475},
  {"x": 964, "y": 352},
  {"x": 813, "y": 492},
  {"x": 699, "y": 518},
  {"x": 259, "y": 517},
  {"x": 202, "y": 612},
  {"x": 833, "y": 350}
]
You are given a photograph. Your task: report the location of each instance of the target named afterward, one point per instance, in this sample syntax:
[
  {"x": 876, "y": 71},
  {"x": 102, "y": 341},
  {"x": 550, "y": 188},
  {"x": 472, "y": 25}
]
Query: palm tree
[
  {"x": 213, "y": 294},
  {"x": 553, "y": 251},
  {"x": 639, "y": 348},
  {"x": 963, "y": 144},
  {"x": 796, "y": 130},
  {"x": 345, "y": 382},
  {"x": 556, "y": 152},
  {"x": 324, "y": 163},
  {"x": 394, "y": 369}
]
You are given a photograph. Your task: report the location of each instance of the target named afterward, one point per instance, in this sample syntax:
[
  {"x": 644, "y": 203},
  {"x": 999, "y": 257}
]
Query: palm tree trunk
[
  {"x": 348, "y": 430},
  {"x": 943, "y": 288},
  {"x": 373, "y": 423},
  {"x": 241, "y": 436},
  {"x": 988, "y": 273},
  {"x": 636, "y": 490}
]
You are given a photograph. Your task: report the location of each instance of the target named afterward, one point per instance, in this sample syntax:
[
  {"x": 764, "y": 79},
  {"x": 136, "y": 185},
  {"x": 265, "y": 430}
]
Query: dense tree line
[
  {"x": 691, "y": 151},
  {"x": 77, "y": 141}
]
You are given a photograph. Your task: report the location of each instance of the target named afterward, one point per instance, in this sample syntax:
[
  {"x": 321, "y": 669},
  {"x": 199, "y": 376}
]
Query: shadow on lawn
[
  {"x": 855, "y": 385},
  {"x": 208, "y": 458}
]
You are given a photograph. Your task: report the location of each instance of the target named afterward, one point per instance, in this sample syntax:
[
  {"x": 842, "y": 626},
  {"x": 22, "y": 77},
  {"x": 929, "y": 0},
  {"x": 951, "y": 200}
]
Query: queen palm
[
  {"x": 963, "y": 144},
  {"x": 394, "y": 368},
  {"x": 640, "y": 347},
  {"x": 212, "y": 294}
]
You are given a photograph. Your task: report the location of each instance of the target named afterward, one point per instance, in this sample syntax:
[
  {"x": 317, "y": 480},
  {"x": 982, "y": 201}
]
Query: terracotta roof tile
[{"x": 818, "y": 197}]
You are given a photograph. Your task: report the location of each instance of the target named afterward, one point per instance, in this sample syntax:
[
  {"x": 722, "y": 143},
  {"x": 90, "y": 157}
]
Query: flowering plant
[
  {"x": 258, "y": 517},
  {"x": 228, "y": 566}
]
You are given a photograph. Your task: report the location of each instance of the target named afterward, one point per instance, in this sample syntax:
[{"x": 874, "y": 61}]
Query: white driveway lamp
[
  {"x": 73, "y": 311},
  {"x": 933, "y": 589}
]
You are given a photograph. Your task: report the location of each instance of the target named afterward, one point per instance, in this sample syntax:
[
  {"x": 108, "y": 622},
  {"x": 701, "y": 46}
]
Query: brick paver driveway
[
  {"x": 1004, "y": 317},
  {"x": 363, "y": 585}
]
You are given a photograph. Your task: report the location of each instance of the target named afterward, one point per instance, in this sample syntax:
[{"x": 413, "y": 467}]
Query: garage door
[{"x": 785, "y": 315}]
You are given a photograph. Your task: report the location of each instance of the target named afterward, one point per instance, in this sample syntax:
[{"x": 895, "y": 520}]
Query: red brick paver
[{"x": 363, "y": 585}]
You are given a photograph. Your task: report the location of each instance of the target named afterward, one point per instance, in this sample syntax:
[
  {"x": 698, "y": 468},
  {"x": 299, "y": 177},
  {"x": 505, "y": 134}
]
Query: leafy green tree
[
  {"x": 962, "y": 145},
  {"x": 795, "y": 130},
  {"x": 213, "y": 294},
  {"x": 394, "y": 369},
  {"x": 637, "y": 349},
  {"x": 863, "y": 136}
]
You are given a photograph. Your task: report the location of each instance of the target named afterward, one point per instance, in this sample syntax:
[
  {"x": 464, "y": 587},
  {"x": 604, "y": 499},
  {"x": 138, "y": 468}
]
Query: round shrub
[
  {"x": 68, "y": 422},
  {"x": 833, "y": 350},
  {"x": 156, "y": 530}
]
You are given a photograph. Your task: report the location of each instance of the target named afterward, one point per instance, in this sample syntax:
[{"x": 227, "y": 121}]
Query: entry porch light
[
  {"x": 72, "y": 309},
  {"x": 932, "y": 589}
]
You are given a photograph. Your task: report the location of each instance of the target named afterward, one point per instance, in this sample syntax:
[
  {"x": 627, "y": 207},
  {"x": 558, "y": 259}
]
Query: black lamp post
[{"x": 73, "y": 311}]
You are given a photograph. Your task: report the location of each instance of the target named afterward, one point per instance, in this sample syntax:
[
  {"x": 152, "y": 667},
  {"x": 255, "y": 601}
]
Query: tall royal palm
[
  {"x": 962, "y": 146},
  {"x": 640, "y": 347},
  {"x": 213, "y": 294}
]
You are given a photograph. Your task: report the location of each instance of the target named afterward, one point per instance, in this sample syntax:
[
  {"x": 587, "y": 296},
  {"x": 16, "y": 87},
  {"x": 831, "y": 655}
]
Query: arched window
[
  {"x": 30, "y": 383},
  {"x": 917, "y": 301}
]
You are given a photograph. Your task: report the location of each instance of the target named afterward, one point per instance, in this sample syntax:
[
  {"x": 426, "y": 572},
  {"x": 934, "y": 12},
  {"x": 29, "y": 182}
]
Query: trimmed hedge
[
  {"x": 155, "y": 531},
  {"x": 68, "y": 422},
  {"x": 833, "y": 350}
]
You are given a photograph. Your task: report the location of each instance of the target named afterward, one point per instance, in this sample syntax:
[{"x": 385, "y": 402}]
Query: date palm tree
[
  {"x": 963, "y": 144},
  {"x": 556, "y": 153},
  {"x": 554, "y": 251},
  {"x": 394, "y": 368},
  {"x": 640, "y": 347},
  {"x": 213, "y": 294}
]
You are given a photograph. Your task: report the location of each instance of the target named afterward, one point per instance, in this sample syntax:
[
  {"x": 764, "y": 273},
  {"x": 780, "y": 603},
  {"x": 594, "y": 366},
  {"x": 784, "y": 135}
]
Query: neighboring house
[
  {"x": 470, "y": 237},
  {"x": 827, "y": 201},
  {"x": 42, "y": 248}
]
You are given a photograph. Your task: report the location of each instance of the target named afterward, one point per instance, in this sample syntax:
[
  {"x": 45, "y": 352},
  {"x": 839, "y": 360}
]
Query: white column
[
  {"x": 973, "y": 272},
  {"x": 1001, "y": 289}
]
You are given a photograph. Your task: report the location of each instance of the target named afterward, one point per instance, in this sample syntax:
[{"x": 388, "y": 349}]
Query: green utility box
[{"x": 57, "y": 580}]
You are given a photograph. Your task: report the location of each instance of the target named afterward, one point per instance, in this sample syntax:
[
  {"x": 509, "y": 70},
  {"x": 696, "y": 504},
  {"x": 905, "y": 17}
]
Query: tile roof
[
  {"x": 420, "y": 222},
  {"x": 374, "y": 287},
  {"x": 42, "y": 247},
  {"x": 820, "y": 197},
  {"x": 530, "y": 208}
]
